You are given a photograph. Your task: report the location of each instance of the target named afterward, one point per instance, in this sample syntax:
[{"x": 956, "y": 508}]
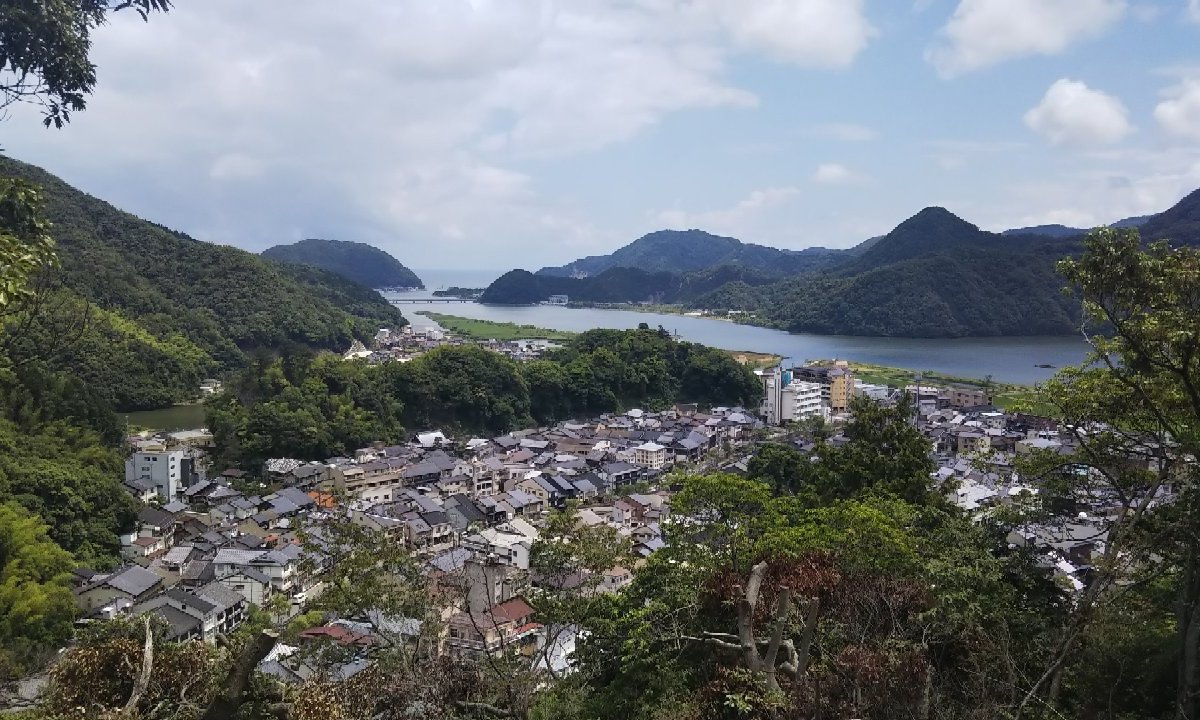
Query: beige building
[{"x": 651, "y": 455}]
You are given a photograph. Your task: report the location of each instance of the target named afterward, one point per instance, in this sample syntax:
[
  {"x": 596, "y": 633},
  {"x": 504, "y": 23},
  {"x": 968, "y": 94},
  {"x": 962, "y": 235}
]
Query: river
[
  {"x": 1008, "y": 359},
  {"x": 172, "y": 419}
]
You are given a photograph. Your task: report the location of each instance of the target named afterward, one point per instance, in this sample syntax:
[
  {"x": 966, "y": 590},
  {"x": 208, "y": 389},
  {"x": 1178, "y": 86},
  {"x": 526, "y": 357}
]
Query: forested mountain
[
  {"x": 360, "y": 262},
  {"x": 1180, "y": 224},
  {"x": 164, "y": 310},
  {"x": 934, "y": 275},
  {"x": 681, "y": 251},
  {"x": 1062, "y": 231},
  {"x": 1054, "y": 230}
]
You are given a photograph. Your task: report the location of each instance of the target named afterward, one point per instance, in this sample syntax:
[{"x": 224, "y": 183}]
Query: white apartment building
[
  {"x": 651, "y": 455},
  {"x": 803, "y": 400},
  {"x": 165, "y": 470}
]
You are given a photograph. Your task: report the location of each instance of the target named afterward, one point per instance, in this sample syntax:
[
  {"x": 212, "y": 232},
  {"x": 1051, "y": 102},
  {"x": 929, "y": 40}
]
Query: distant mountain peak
[{"x": 936, "y": 216}]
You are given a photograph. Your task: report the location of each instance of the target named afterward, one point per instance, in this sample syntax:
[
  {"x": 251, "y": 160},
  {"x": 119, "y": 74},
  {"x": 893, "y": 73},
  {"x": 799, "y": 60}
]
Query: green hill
[
  {"x": 683, "y": 251},
  {"x": 362, "y": 263},
  {"x": 168, "y": 310},
  {"x": 934, "y": 275}
]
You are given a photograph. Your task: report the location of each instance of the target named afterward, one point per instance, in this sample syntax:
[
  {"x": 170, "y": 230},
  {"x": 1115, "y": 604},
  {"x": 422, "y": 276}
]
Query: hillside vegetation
[
  {"x": 167, "y": 310},
  {"x": 362, "y": 263}
]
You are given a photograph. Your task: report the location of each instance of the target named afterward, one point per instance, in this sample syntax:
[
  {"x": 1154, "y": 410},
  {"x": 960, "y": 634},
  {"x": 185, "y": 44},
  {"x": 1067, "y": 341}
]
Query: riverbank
[
  {"x": 740, "y": 317},
  {"x": 473, "y": 329},
  {"x": 492, "y": 330},
  {"x": 1008, "y": 396}
]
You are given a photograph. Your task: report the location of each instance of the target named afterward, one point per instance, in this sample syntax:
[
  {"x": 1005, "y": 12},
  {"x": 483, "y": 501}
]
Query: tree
[
  {"x": 885, "y": 453},
  {"x": 25, "y": 244},
  {"x": 1133, "y": 415},
  {"x": 44, "y": 50},
  {"x": 783, "y": 467},
  {"x": 37, "y": 608}
]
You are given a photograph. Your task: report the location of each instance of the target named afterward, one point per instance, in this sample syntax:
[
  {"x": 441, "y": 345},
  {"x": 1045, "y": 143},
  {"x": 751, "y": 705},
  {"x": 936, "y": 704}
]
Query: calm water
[
  {"x": 180, "y": 417},
  {"x": 1005, "y": 359}
]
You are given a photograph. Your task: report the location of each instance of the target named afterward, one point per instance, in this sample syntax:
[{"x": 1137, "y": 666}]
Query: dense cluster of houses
[
  {"x": 977, "y": 450},
  {"x": 469, "y": 510},
  {"x": 210, "y": 545}
]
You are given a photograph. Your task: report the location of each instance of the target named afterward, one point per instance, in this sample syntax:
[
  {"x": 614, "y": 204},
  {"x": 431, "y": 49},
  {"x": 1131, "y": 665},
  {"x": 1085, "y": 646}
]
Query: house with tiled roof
[{"x": 505, "y": 627}]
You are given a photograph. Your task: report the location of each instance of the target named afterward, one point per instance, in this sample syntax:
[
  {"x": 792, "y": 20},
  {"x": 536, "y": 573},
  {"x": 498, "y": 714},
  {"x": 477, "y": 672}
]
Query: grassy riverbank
[
  {"x": 1005, "y": 395},
  {"x": 490, "y": 330}
]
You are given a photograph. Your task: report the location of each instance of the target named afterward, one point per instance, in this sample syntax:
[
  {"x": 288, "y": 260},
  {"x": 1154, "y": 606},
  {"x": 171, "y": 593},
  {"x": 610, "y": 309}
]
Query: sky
[{"x": 491, "y": 134}]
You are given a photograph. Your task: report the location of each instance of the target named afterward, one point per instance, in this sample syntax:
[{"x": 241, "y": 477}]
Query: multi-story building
[
  {"x": 803, "y": 400},
  {"x": 837, "y": 382},
  {"x": 650, "y": 455},
  {"x": 169, "y": 471}
]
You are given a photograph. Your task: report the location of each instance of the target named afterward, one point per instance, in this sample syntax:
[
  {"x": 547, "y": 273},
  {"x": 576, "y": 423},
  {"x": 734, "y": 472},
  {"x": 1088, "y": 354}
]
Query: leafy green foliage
[
  {"x": 302, "y": 407},
  {"x": 297, "y": 406},
  {"x": 25, "y": 243},
  {"x": 44, "y": 50},
  {"x": 359, "y": 262},
  {"x": 884, "y": 454},
  {"x": 36, "y": 604},
  {"x": 1133, "y": 416}
]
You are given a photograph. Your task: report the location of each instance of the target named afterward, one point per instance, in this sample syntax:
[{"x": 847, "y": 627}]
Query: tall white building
[
  {"x": 167, "y": 471},
  {"x": 802, "y": 400},
  {"x": 786, "y": 399}
]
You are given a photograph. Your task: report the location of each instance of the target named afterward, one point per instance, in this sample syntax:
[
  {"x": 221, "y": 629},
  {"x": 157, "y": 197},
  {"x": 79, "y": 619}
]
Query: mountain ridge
[
  {"x": 933, "y": 275},
  {"x": 172, "y": 309},
  {"x": 693, "y": 250}
]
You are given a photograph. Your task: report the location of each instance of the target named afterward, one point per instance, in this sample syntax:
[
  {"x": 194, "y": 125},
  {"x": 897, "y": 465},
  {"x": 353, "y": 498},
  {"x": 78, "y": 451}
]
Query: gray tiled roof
[
  {"x": 221, "y": 596},
  {"x": 188, "y": 600},
  {"x": 133, "y": 580}
]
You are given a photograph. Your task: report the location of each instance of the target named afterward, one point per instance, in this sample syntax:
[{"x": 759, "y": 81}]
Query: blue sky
[{"x": 502, "y": 133}]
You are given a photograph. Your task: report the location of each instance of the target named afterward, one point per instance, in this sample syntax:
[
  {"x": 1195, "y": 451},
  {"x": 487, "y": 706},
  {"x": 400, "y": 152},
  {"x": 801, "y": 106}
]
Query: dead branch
[{"x": 143, "y": 678}]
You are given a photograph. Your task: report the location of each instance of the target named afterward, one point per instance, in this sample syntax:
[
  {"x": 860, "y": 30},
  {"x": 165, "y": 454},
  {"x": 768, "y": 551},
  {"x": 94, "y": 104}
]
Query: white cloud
[
  {"x": 1193, "y": 10},
  {"x": 1123, "y": 183},
  {"x": 843, "y": 132},
  {"x": 404, "y": 122},
  {"x": 741, "y": 220},
  {"x": 810, "y": 33},
  {"x": 985, "y": 32},
  {"x": 1179, "y": 114},
  {"x": 235, "y": 166},
  {"x": 835, "y": 174},
  {"x": 1071, "y": 113}
]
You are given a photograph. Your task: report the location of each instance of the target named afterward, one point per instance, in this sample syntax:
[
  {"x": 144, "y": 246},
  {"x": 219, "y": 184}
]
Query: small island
[{"x": 362, "y": 263}]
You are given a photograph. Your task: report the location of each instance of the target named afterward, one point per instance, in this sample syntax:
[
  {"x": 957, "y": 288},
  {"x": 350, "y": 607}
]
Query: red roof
[
  {"x": 512, "y": 610},
  {"x": 338, "y": 634}
]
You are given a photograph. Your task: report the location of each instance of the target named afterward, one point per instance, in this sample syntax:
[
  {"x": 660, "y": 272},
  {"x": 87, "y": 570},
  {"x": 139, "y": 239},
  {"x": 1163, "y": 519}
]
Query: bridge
[{"x": 422, "y": 301}]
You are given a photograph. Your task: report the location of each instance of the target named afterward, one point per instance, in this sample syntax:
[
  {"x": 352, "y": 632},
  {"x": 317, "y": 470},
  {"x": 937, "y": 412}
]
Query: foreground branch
[{"x": 227, "y": 702}]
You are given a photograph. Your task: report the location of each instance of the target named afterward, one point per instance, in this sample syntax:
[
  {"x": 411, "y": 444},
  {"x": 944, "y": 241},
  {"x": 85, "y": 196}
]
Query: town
[{"x": 214, "y": 542}]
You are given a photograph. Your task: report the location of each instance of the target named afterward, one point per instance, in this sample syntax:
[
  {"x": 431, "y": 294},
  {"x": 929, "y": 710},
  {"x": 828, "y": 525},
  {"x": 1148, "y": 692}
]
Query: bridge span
[{"x": 422, "y": 301}]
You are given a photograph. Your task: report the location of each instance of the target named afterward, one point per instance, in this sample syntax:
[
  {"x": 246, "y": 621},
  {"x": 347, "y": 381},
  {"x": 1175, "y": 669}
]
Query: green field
[
  {"x": 489, "y": 330},
  {"x": 1005, "y": 395}
]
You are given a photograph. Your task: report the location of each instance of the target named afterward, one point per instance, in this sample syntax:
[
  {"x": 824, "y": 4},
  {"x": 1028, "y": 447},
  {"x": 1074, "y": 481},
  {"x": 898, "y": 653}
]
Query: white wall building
[
  {"x": 164, "y": 470},
  {"x": 802, "y": 400},
  {"x": 651, "y": 455}
]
